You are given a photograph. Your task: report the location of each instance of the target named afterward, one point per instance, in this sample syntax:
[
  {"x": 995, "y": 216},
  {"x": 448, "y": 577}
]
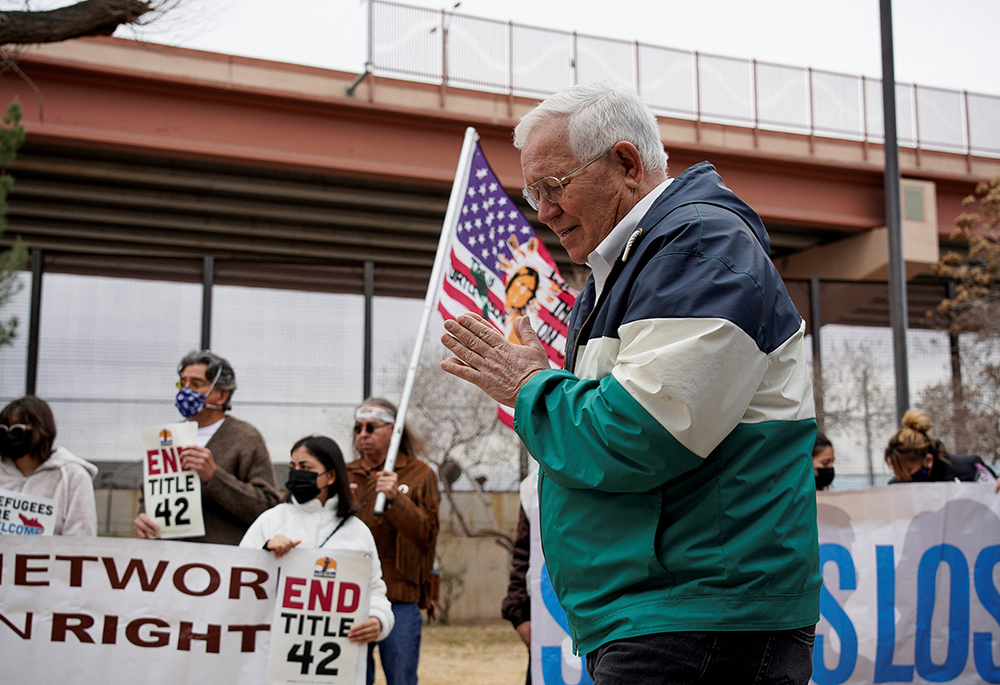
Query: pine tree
[{"x": 14, "y": 259}]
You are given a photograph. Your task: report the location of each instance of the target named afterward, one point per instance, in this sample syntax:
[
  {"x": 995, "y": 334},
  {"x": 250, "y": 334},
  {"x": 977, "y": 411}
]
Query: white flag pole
[{"x": 450, "y": 219}]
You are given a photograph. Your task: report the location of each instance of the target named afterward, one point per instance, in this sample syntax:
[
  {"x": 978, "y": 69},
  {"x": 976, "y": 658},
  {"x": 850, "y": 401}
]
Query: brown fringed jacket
[{"x": 406, "y": 533}]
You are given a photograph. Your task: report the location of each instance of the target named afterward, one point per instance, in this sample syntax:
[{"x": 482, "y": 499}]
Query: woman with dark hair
[
  {"x": 319, "y": 513},
  {"x": 405, "y": 534},
  {"x": 823, "y": 459},
  {"x": 916, "y": 456},
  {"x": 30, "y": 465}
]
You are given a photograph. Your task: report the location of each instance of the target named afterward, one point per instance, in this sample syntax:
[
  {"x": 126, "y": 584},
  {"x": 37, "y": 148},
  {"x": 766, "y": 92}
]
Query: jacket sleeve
[
  {"x": 415, "y": 515},
  {"x": 516, "y": 606},
  {"x": 378, "y": 604},
  {"x": 252, "y": 492},
  {"x": 255, "y": 537},
  {"x": 81, "y": 508}
]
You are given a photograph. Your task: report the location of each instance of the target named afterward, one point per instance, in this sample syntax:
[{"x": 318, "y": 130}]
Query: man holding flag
[{"x": 676, "y": 498}]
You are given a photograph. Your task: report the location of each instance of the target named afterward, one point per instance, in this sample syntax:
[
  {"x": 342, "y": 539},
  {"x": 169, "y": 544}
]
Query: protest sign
[
  {"x": 24, "y": 514},
  {"x": 552, "y": 658},
  {"x": 172, "y": 496},
  {"x": 910, "y": 590},
  {"x": 321, "y": 595},
  {"x": 910, "y": 585},
  {"x": 115, "y": 610}
]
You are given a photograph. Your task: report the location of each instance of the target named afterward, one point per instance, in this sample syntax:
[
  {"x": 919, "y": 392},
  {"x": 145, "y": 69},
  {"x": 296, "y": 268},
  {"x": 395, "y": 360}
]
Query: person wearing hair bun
[
  {"x": 916, "y": 456},
  {"x": 405, "y": 533}
]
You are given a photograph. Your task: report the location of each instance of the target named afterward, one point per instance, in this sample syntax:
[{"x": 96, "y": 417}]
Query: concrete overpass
[{"x": 142, "y": 159}]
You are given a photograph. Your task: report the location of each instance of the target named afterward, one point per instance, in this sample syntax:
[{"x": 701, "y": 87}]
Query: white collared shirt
[{"x": 603, "y": 258}]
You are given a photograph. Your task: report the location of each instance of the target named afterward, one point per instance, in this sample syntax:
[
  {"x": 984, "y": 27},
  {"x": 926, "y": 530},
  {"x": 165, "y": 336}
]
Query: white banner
[
  {"x": 552, "y": 658},
  {"x": 171, "y": 496},
  {"x": 910, "y": 578},
  {"x": 109, "y": 610},
  {"x": 24, "y": 514},
  {"x": 910, "y": 585}
]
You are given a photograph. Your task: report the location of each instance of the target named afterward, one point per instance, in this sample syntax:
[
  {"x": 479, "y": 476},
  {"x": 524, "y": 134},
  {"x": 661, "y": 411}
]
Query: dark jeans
[
  {"x": 400, "y": 651},
  {"x": 781, "y": 657}
]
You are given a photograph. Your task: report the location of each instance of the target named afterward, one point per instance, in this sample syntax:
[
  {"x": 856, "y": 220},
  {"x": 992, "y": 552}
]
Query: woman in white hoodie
[
  {"x": 319, "y": 513},
  {"x": 28, "y": 464}
]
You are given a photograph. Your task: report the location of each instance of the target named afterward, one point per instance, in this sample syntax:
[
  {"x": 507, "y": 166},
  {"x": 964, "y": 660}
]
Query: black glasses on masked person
[
  {"x": 17, "y": 431},
  {"x": 552, "y": 188},
  {"x": 369, "y": 427}
]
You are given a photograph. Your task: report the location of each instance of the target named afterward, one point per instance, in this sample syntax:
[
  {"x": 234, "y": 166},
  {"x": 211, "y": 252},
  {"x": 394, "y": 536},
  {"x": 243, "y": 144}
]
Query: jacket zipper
[{"x": 608, "y": 284}]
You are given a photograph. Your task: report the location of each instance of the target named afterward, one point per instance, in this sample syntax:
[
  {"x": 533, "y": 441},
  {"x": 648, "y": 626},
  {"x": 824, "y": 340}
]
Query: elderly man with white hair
[{"x": 676, "y": 494}]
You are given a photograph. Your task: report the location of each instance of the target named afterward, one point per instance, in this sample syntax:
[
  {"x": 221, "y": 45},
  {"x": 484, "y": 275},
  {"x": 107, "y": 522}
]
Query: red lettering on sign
[
  {"x": 110, "y": 635},
  {"x": 137, "y": 567},
  {"x": 23, "y": 634},
  {"x": 257, "y": 584},
  {"x": 212, "y": 637},
  {"x": 21, "y": 569},
  {"x": 249, "y": 641},
  {"x": 75, "y": 568},
  {"x": 170, "y": 460},
  {"x": 78, "y": 624},
  {"x": 344, "y": 604},
  {"x": 214, "y": 580},
  {"x": 322, "y": 592},
  {"x": 292, "y": 598},
  {"x": 153, "y": 462},
  {"x": 160, "y": 638}
]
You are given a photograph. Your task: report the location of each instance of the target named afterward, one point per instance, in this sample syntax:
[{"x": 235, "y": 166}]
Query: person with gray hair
[
  {"x": 677, "y": 505},
  {"x": 237, "y": 476}
]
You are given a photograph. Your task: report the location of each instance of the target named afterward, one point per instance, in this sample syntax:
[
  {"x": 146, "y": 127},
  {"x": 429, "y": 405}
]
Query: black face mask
[
  {"x": 920, "y": 476},
  {"x": 302, "y": 485},
  {"x": 824, "y": 476},
  {"x": 16, "y": 446}
]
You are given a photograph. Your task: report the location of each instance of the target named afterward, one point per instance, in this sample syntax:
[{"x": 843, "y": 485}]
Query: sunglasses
[
  {"x": 368, "y": 428},
  {"x": 17, "y": 431}
]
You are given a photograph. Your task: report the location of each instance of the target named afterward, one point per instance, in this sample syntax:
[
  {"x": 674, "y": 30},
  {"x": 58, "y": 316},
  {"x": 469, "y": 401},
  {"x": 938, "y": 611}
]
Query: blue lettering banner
[{"x": 910, "y": 578}]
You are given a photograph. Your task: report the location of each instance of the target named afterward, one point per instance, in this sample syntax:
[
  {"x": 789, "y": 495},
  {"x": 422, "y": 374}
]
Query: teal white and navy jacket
[{"x": 676, "y": 490}]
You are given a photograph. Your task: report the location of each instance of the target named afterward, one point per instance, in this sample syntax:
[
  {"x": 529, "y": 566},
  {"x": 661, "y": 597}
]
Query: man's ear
[{"x": 626, "y": 155}]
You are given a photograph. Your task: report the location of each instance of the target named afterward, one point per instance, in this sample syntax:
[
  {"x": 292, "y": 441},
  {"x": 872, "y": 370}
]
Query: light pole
[{"x": 893, "y": 220}]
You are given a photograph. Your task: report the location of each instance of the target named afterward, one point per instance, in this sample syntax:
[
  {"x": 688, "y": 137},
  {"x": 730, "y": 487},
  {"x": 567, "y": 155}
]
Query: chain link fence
[{"x": 109, "y": 348}]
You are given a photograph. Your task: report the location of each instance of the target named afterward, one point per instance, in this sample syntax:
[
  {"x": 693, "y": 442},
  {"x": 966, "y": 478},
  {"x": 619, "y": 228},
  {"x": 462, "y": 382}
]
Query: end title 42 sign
[
  {"x": 320, "y": 596},
  {"x": 172, "y": 496}
]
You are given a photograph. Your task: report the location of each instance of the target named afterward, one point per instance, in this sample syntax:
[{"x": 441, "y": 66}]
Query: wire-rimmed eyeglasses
[{"x": 552, "y": 188}]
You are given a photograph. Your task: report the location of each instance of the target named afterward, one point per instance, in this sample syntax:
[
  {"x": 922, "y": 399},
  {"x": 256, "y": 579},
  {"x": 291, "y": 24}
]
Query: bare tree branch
[{"x": 85, "y": 18}]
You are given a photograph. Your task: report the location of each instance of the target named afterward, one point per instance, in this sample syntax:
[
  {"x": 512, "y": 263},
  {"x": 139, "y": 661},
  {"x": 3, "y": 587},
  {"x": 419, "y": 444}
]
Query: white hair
[{"x": 598, "y": 116}]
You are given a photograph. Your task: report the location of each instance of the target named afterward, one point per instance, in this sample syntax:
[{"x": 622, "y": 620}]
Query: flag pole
[{"x": 450, "y": 218}]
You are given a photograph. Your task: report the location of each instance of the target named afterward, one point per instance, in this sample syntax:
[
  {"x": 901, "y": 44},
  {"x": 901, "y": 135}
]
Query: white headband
[{"x": 377, "y": 413}]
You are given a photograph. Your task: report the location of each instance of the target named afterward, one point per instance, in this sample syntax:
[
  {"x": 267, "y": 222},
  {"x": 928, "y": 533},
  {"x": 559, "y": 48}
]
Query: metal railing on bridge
[{"x": 457, "y": 50}]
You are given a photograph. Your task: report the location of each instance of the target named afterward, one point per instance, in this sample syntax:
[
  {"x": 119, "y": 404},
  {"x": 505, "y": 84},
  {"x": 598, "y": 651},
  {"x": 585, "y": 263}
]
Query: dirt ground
[{"x": 482, "y": 654}]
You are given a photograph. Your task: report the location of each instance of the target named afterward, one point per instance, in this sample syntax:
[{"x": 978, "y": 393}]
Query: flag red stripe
[
  {"x": 460, "y": 298},
  {"x": 463, "y": 268},
  {"x": 552, "y": 320},
  {"x": 505, "y": 415}
]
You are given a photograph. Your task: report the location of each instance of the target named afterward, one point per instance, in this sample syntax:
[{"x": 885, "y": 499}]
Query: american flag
[{"x": 498, "y": 267}]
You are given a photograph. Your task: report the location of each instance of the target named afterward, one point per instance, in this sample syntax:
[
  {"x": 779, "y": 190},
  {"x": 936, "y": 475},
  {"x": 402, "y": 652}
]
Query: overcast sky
[{"x": 945, "y": 44}]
